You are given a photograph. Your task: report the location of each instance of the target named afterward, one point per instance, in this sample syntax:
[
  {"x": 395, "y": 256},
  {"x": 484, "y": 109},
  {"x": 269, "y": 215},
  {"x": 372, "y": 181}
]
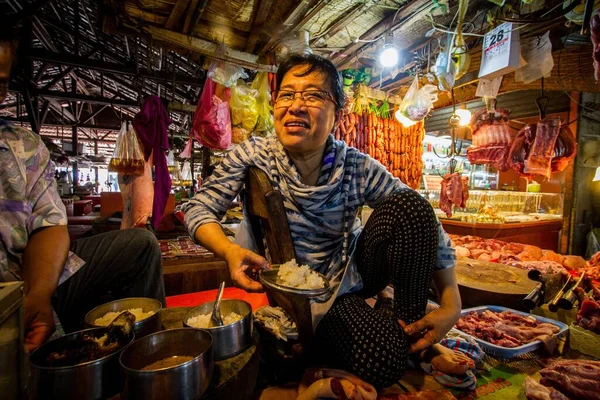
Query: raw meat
[
  {"x": 545, "y": 267},
  {"x": 543, "y": 149},
  {"x": 588, "y": 316},
  {"x": 592, "y": 267},
  {"x": 491, "y": 138},
  {"x": 573, "y": 386},
  {"x": 539, "y": 159},
  {"x": 536, "y": 391},
  {"x": 508, "y": 329},
  {"x": 454, "y": 192},
  {"x": 595, "y": 31}
]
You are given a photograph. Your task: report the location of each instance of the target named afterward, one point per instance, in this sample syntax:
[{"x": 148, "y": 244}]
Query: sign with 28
[{"x": 500, "y": 54}]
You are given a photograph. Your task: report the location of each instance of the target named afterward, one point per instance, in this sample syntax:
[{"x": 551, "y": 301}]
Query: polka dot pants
[{"x": 398, "y": 246}]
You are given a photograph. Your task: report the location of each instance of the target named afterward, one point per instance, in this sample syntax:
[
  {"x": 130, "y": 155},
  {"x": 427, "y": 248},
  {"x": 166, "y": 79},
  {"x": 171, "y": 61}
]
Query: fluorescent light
[
  {"x": 597, "y": 176},
  {"x": 389, "y": 56}
]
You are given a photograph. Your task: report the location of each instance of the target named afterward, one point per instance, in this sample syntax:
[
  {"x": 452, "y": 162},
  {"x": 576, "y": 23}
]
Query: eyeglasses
[{"x": 311, "y": 98}]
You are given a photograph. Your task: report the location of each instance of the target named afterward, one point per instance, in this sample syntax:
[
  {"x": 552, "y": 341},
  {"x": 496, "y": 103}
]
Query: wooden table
[{"x": 233, "y": 378}]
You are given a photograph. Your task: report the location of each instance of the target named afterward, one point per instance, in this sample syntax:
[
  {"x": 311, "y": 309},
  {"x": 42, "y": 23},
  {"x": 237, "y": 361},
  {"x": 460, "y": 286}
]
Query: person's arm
[
  {"x": 42, "y": 264},
  {"x": 205, "y": 210},
  {"x": 434, "y": 326}
]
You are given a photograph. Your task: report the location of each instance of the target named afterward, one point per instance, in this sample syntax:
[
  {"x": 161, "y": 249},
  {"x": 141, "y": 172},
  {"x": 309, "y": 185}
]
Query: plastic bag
[
  {"x": 416, "y": 104},
  {"x": 264, "y": 123},
  {"x": 593, "y": 243},
  {"x": 128, "y": 157},
  {"x": 226, "y": 74},
  {"x": 244, "y": 114},
  {"x": 445, "y": 71},
  {"x": 186, "y": 174},
  {"x": 212, "y": 120}
]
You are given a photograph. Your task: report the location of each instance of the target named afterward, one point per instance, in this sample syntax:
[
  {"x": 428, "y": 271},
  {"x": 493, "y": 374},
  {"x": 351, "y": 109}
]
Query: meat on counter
[{"x": 454, "y": 192}]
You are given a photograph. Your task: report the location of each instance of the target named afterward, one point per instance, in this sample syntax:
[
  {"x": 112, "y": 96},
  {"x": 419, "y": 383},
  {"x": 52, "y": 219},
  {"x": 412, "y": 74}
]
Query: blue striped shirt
[{"x": 323, "y": 218}]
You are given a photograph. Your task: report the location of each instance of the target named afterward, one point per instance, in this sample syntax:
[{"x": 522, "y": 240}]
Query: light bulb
[
  {"x": 389, "y": 56},
  {"x": 464, "y": 115},
  {"x": 406, "y": 122},
  {"x": 597, "y": 176}
]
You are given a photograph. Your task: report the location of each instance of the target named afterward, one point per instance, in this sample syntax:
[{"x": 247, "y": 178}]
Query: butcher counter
[{"x": 544, "y": 234}]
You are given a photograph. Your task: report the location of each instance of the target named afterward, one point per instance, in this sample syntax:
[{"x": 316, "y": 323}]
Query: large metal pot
[
  {"x": 141, "y": 328},
  {"x": 184, "y": 381},
  {"x": 97, "y": 379},
  {"x": 232, "y": 339}
]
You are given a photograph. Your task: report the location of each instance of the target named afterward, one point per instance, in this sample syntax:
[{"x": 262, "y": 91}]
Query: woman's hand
[
  {"x": 431, "y": 328},
  {"x": 243, "y": 262}
]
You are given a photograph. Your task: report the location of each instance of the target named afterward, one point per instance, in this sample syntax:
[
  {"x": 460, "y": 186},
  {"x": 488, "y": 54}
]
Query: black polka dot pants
[{"x": 399, "y": 246}]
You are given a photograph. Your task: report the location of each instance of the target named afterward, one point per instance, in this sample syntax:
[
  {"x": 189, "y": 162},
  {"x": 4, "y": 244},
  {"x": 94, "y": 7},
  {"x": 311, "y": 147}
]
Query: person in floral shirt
[{"x": 59, "y": 276}]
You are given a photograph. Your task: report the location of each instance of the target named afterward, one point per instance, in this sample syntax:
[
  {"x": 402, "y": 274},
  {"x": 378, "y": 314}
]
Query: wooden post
[{"x": 192, "y": 187}]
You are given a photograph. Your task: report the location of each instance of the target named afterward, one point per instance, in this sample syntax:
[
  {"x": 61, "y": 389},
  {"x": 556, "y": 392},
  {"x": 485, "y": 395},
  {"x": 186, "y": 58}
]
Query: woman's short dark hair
[{"x": 318, "y": 64}]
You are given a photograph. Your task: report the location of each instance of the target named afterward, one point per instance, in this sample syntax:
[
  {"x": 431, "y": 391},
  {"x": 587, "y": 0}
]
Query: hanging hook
[{"x": 542, "y": 102}]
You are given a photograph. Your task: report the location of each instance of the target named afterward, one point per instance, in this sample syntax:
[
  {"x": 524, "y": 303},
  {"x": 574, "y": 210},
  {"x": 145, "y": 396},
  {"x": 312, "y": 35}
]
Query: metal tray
[
  {"x": 511, "y": 352},
  {"x": 269, "y": 279}
]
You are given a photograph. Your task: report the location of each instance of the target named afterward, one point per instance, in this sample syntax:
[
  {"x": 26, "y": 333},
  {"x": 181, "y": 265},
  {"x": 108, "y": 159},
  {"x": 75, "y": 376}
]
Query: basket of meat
[{"x": 505, "y": 333}]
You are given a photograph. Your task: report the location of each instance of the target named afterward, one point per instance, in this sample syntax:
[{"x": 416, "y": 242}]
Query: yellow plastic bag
[
  {"x": 260, "y": 83},
  {"x": 243, "y": 111},
  {"x": 128, "y": 157}
]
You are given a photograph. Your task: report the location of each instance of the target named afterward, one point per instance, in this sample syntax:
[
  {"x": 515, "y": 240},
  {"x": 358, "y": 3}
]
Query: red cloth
[
  {"x": 151, "y": 125},
  {"x": 256, "y": 300}
]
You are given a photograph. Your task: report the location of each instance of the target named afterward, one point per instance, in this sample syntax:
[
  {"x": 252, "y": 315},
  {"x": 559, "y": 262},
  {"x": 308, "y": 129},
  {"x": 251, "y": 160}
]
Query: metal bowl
[
  {"x": 188, "y": 380},
  {"x": 141, "y": 328},
  {"x": 270, "y": 280},
  {"x": 97, "y": 379},
  {"x": 231, "y": 339}
]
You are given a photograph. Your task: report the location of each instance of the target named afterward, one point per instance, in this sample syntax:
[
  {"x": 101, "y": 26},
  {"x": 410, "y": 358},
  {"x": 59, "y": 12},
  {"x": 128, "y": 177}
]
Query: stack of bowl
[{"x": 142, "y": 327}]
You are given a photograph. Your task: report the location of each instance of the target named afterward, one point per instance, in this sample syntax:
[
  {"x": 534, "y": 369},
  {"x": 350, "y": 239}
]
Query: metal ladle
[{"x": 216, "y": 314}]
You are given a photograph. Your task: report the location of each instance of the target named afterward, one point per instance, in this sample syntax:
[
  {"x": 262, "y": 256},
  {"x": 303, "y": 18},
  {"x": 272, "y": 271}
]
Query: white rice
[
  {"x": 300, "y": 277},
  {"x": 203, "y": 321},
  {"x": 109, "y": 317}
]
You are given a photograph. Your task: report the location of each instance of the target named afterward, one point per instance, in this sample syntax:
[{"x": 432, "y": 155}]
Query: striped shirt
[{"x": 323, "y": 218}]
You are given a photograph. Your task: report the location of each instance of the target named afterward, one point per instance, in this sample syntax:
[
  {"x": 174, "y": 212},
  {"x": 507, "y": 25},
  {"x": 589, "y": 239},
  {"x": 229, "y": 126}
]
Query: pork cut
[
  {"x": 542, "y": 149},
  {"x": 454, "y": 192},
  {"x": 588, "y": 316},
  {"x": 537, "y": 391},
  {"x": 491, "y": 138},
  {"x": 595, "y": 33}
]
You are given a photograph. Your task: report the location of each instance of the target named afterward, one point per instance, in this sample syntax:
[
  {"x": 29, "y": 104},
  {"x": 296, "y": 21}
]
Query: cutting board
[{"x": 487, "y": 283}]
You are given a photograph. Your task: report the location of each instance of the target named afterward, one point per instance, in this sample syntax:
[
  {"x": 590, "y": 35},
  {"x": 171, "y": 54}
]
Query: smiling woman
[{"x": 323, "y": 183}]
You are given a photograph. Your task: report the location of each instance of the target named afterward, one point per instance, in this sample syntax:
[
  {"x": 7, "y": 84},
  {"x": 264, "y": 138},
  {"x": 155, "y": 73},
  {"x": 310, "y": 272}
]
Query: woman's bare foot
[{"x": 449, "y": 361}]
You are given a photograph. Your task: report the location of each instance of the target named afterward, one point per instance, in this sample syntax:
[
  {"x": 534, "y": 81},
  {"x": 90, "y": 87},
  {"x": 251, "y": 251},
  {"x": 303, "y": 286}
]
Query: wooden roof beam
[
  {"x": 341, "y": 23},
  {"x": 262, "y": 13},
  {"x": 290, "y": 22},
  {"x": 208, "y": 48},
  {"x": 177, "y": 13},
  {"x": 196, "y": 16}
]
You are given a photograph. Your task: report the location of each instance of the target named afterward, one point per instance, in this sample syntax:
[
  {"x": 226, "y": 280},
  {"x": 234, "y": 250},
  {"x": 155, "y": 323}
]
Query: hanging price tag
[
  {"x": 488, "y": 87},
  {"x": 500, "y": 54}
]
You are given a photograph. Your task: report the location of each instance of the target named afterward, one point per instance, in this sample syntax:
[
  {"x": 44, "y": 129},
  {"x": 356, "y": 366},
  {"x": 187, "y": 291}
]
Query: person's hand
[
  {"x": 431, "y": 328},
  {"x": 39, "y": 320},
  {"x": 243, "y": 263}
]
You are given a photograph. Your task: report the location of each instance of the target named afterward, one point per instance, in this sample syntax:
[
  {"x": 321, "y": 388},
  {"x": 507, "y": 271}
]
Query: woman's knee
[{"x": 406, "y": 207}]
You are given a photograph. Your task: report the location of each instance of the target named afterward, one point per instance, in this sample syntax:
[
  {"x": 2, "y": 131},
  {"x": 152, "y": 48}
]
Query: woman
[{"x": 323, "y": 183}]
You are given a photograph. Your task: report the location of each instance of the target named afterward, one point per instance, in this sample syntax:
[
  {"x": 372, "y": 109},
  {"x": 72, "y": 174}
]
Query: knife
[{"x": 553, "y": 305}]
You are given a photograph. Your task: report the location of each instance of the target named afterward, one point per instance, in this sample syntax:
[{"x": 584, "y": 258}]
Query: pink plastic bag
[{"x": 212, "y": 120}]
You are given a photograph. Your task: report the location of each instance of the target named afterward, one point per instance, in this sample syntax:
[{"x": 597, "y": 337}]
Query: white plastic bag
[{"x": 416, "y": 104}]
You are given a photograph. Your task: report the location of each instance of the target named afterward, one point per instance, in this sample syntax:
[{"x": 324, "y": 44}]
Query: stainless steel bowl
[
  {"x": 231, "y": 339},
  {"x": 141, "y": 328},
  {"x": 184, "y": 381},
  {"x": 97, "y": 379}
]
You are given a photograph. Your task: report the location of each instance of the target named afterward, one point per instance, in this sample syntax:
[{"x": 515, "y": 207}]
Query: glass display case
[{"x": 498, "y": 207}]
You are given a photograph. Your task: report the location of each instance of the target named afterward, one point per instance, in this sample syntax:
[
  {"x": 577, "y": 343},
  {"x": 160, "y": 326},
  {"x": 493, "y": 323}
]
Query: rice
[
  {"x": 203, "y": 321},
  {"x": 109, "y": 317},
  {"x": 299, "y": 277}
]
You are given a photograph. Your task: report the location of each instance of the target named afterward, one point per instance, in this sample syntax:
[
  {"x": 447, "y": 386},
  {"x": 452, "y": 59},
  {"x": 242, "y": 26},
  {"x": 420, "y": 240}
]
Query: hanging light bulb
[
  {"x": 406, "y": 122},
  {"x": 597, "y": 176},
  {"x": 389, "y": 56},
  {"x": 464, "y": 115}
]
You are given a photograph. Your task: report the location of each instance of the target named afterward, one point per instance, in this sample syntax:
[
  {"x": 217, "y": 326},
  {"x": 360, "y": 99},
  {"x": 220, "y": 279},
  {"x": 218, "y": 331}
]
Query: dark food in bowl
[
  {"x": 89, "y": 348},
  {"x": 167, "y": 362}
]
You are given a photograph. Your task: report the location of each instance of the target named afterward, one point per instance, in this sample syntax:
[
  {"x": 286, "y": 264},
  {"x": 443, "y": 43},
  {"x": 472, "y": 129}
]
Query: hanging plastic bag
[
  {"x": 416, "y": 104},
  {"x": 243, "y": 111},
  {"x": 171, "y": 164},
  {"x": 186, "y": 174},
  {"x": 212, "y": 120},
  {"x": 128, "y": 157},
  {"x": 226, "y": 74},
  {"x": 264, "y": 124}
]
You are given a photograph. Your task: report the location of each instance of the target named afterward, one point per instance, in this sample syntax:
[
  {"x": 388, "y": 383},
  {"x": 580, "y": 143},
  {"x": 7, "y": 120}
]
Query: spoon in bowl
[{"x": 216, "y": 314}]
